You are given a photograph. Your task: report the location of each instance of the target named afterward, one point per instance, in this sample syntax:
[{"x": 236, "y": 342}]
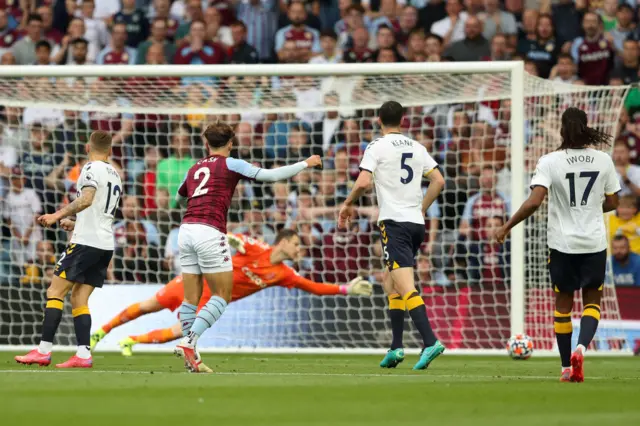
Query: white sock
[
  {"x": 563, "y": 368},
  {"x": 582, "y": 349},
  {"x": 83, "y": 352},
  {"x": 45, "y": 347},
  {"x": 190, "y": 339}
]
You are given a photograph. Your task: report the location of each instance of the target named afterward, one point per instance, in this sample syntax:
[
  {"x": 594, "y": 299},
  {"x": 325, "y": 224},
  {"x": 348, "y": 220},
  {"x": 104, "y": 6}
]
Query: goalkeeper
[{"x": 256, "y": 266}]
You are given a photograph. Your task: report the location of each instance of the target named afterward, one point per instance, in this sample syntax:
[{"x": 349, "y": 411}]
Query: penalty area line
[{"x": 458, "y": 377}]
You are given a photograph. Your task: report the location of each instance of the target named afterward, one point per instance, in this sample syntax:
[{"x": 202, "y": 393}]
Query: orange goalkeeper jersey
[{"x": 252, "y": 272}]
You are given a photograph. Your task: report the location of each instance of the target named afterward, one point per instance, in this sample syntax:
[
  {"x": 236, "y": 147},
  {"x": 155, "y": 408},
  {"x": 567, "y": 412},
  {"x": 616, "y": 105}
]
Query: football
[{"x": 520, "y": 346}]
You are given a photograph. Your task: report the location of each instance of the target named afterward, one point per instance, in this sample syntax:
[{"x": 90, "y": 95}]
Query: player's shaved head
[
  {"x": 218, "y": 134},
  {"x": 391, "y": 113},
  {"x": 100, "y": 141}
]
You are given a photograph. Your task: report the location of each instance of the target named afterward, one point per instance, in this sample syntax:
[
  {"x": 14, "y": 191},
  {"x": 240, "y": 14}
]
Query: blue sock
[
  {"x": 187, "y": 315},
  {"x": 208, "y": 315}
]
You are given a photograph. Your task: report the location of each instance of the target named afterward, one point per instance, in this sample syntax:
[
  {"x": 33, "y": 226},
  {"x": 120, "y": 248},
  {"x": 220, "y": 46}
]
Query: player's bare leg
[
  {"x": 588, "y": 325},
  {"x": 403, "y": 282},
  {"x": 395, "y": 354},
  {"x": 52, "y": 315},
  {"x": 130, "y": 313},
  {"x": 82, "y": 325},
  {"x": 221, "y": 285},
  {"x": 155, "y": 336},
  {"x": 564, "y": 329}
]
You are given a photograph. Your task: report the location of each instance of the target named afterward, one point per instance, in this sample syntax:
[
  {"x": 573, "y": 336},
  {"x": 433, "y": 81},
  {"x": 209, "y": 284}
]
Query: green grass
[{"x": 267, "y": 390}]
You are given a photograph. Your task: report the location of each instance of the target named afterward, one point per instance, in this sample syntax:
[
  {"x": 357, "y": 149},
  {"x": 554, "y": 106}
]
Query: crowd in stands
[{"x": 586, "y": 42}]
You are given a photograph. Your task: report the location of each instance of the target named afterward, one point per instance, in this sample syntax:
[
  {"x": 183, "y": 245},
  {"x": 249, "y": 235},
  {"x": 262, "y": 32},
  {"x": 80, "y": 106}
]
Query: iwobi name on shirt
[{"x": 580, "y": 159}]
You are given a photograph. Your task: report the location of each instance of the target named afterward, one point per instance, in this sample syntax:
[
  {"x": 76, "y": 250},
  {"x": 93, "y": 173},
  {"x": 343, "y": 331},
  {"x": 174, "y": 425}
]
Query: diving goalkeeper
[{"x": 256, "y": 266}]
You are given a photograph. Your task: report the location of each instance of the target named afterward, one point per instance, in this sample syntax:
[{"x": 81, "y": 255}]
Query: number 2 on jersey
[
  {"x": 116, "y": 193},
  {"x": 200, "y": 190},
  {"x": 405, "y": 166},
  {"x": 572, "y": 186}
]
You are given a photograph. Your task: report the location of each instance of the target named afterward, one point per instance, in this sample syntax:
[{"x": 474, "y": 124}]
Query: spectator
[
  {"x": 565, "y": 70},
  {"x": 473, "y": 47},
  {"x": 240, "y": 51},
  {"x": 593, "y": 54},
  {"x": 415, "y": 47},
  {"x": 487, "y": 262},
  {"x": 544, "y": 49},
  {"x": 171, "y": 261},
  {"x": 407, "y": 24},
  {"x": 427, "y": 275},
  {"x": 329, "y": 55},
  {"x": 527, "y": 32},
  {"x": 486, "y": 204},
  {"x": 300, "y": 146},
  {"x": 499, "y": 49},
  {"x": 71, "y": 135},
  {"x": 608, "y": 14},
  {"x": 433, "y": 47},
  {"x": 43, "y": 53},
  {"x": 96, "y": 32},
  {"x": 37, "y": 162},
  {"x": 40, "y": 272},
  {"x": 171, "y": 171},
  {"x": 498, "y": 21},
  {"x": 25, "y": 49},
  {"x": 307, "y": 39},
  {"x": 146, "y": 181},
  {"x": 451, "y": 28},
  {"x": 162, "y": 10},
  {"x": 626, "y": 222},
  {"x": 624, "y": 263},
  {"x": 193, "y": 13},
  {"x": 118, "y": 53},
  {"x": 216, "y": 31},
  {"x": 566, "y": 18},
  {"x": 136, "y": 258},
  {"x": 627, "y": 69},
  {"x": 49, "y": 31},
  {"x": 261, "y": 19},
  {"x": 388, "y": 17},
  {"x": 8, "y": 35},
  {"x": 628, "y": 174},
  {"x": 158, "y": 36},
  {"x": 22, "y": 208},
  {"x": 80, "y": 52},
  {"x": 198, "y": 50},
  {"x": 386, "y": 39},
  {"x": 246, "y": 146},
  {"x": 77, "y": 30},
  {"x": 359, "y": 52},
  {"x": 105, "y": 9},
  {"x": 432, "y": 12},
  {"x": 624, "y": 28},
  {"x": 354, "y": 20}
]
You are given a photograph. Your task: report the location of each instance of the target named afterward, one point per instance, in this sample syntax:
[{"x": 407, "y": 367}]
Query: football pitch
[{"x": 267, "y": 389}]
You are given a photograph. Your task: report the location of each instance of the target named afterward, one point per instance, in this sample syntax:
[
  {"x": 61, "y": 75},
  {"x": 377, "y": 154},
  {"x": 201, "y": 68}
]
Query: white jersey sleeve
[
  {"x": 612, "y": 183},
  {"x": 370, "y": 159},
  {"x": 429, "y": 163},
  {"x": 542, "y": 175}
]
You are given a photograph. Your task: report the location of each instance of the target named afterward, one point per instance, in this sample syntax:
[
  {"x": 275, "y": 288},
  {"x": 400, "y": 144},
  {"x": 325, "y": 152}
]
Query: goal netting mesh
[{"x": 463, "y": 119}]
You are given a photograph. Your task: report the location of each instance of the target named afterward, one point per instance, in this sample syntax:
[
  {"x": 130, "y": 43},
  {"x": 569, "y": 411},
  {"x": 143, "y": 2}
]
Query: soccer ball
[{"x": 520, "y": 346}]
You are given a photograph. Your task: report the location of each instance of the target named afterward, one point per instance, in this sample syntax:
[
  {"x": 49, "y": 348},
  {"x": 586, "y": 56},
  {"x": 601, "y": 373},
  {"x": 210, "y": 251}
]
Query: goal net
[{"x": 469, "y": 117}]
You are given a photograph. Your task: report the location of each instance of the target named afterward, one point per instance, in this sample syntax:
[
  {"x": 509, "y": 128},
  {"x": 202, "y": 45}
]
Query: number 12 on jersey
[{"x": 587, "y": 190}]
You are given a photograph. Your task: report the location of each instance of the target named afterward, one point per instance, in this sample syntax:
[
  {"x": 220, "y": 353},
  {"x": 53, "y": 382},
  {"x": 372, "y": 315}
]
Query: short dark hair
[
  {"x": 436, "y": 36},
  {"x": 80, "y": 40},
  {"x": 329, "y": 33},
  {"x": 34, "y": 17},
  {"x": 391, "y": 113},
  {"x": 565, "y": 56},
  {"x": 238, "y": 23},
  {"x": 621, "y": 238},
  {"x": 625, "y": 6},
  {"x": 218, "y": 134},
  {"x": 43, "y": 43},
  {"x": 285, "y": 234}
]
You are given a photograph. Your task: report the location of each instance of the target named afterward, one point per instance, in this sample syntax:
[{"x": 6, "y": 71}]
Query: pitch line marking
[{"x": 284, "y": 374}]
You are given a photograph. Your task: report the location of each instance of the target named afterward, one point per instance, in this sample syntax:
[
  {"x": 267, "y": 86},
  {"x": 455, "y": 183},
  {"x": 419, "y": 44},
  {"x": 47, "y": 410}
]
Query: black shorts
[
  {"x": 400, "y": 243},
  {"x": 84, "y": 265},
  {"x": 571, "y": 272}
]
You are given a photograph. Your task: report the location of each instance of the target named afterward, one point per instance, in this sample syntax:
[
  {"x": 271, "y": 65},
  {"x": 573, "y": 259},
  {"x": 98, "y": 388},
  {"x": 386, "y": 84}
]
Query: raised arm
[{"x": 271, "y": 175}]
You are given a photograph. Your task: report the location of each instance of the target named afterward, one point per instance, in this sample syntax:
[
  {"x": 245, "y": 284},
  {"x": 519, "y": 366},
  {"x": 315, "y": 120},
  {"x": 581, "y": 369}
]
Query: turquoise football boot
[
  {"x": 392, "y": 358},
  {"x": 428, "y": 355}
]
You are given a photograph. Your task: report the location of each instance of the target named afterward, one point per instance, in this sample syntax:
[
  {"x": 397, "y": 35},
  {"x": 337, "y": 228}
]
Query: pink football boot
[
  {"x": 75, "y": 362},
  {"x": 34, "y": 357}
]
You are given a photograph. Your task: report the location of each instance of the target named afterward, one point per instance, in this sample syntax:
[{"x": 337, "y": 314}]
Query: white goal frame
[{"x": 515, "y": 69}]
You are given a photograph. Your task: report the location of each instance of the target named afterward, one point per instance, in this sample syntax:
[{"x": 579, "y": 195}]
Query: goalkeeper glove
[
  {"x": 358, "y": 287},
  {"x": 236, "y": 243}
]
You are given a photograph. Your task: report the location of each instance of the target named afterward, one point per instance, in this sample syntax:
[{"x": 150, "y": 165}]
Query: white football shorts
[{"x": 203, "y": 250}]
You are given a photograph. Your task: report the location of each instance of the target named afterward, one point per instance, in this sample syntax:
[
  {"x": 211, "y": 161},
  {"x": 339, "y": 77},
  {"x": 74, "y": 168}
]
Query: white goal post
[{"x": 483, "y": 121}]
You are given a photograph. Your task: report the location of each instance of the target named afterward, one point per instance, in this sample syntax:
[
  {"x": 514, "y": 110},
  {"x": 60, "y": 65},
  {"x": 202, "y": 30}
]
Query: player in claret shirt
[
  {"x": 256, "y": 266},
  {"x": 204, "y": 253},
  {"x": 582, "y": 184}
]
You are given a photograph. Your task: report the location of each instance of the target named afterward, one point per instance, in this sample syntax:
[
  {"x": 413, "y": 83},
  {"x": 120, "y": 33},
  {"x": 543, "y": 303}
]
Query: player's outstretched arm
[
  {"x": 436, "y": 185},
  {"x": 538, "y": 194},
  {"x": 79, "y": 204},
  {"x": 250, "y": 171},
  {"x": 236, "y": 243},
  {"x": 356, "y": 287}
]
